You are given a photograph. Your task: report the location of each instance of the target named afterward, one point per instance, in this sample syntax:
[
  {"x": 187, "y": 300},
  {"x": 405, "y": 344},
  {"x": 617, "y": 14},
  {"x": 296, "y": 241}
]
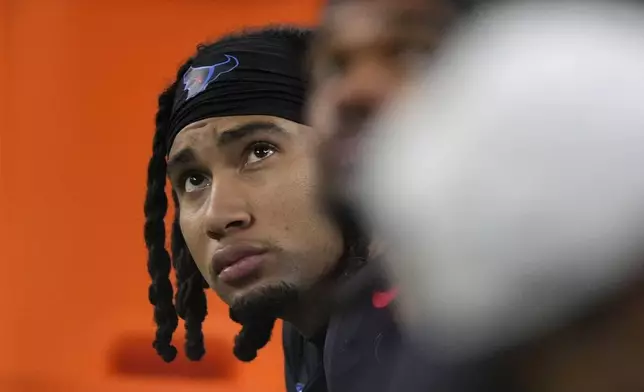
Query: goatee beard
[{"x": 267, "y": 302}]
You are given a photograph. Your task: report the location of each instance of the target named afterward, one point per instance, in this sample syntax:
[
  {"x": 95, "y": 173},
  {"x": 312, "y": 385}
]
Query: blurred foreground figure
[
  {"x": 363, "y": 52},
  {"x": 510, "y": 181}
]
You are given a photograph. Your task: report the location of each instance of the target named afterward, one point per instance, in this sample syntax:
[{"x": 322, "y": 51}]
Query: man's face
[
  {"x": 247, "y": 189},
  {"x": 364, "y": 52}
]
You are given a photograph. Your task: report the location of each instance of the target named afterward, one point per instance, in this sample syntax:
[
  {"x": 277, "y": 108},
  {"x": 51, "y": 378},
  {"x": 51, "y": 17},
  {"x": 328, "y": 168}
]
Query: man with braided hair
[
  {"x": 241, "y": 161},
  {"x": 249, "y": 223}
]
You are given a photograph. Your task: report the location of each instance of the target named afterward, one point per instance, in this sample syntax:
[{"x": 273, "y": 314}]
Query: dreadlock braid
[
  {"x": 254, "y": 335},
  {"x": 156, "y": 205},
  {"x": 191, "y": 298}
]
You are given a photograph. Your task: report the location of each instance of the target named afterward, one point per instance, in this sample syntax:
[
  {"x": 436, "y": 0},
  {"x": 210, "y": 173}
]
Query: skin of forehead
[
  {"x": 380, "y": 12},
  {"x": 387, "y": 5}
]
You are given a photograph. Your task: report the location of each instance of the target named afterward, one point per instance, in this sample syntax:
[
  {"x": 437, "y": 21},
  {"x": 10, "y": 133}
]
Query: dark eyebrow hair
[
  {"x": 184, "y": 156},
  {"x": 242, "y": 131},
  {"x": 188, "y": 155}
]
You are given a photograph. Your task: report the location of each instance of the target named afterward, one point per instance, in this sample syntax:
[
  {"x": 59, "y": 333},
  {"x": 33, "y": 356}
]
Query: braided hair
[{"x": 190, "y": 301}]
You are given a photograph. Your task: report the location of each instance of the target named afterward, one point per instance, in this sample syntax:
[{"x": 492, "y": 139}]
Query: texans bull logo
[{"x": 195, "y": 80}]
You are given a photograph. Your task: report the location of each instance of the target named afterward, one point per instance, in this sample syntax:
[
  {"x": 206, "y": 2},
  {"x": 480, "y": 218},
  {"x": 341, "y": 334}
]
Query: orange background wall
[{"x": 79, "y": 83}]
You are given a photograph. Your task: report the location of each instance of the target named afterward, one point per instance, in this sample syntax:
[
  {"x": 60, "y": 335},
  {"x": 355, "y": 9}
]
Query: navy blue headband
[{"x": 246, "y": 76}]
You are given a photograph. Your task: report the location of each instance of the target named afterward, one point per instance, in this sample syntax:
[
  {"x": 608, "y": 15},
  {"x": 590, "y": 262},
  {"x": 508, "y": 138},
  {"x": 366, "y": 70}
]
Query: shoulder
[
  {"x": 366, "y": 351},
  {"x": 292, "y": 344}
]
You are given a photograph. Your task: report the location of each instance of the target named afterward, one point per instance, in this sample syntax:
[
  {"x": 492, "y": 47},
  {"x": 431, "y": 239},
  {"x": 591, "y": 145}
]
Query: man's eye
[
  {"x": 195, "y": 183},
  {"x": 339, "y": 63},
  {"x": 331, "y": 64},
  {"x": 259, "y": 151}
]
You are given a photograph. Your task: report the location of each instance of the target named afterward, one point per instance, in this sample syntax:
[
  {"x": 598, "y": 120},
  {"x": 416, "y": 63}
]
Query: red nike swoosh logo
[{"x": 382, "y": 299}]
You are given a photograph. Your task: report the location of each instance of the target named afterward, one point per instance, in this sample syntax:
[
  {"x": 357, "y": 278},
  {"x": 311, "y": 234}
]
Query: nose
[{"x": 228, "y": 212}]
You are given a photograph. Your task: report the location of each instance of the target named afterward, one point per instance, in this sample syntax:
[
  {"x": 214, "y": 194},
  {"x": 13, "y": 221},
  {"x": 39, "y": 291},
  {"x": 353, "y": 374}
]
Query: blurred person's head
[
  {"x": 231, "y": 138},
  {"x": 362, "y": 54},
  {"x": 518, "y": 220}
]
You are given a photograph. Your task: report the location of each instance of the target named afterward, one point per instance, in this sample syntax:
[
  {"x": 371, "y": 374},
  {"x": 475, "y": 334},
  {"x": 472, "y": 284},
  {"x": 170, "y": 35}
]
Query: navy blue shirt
[{"x": 362, "y": 349}]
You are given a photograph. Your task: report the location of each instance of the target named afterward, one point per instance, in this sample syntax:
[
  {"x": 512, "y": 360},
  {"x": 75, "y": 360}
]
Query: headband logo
[{"x": 195, "y": 80}]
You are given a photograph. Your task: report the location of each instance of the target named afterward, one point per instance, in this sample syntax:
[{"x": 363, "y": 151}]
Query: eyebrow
[
  {"x": 245, "y": 130},
  {"x": 187, "y": 155},
  {"x": 429, "y": 18},
  {"x": 229, "y": 136}
]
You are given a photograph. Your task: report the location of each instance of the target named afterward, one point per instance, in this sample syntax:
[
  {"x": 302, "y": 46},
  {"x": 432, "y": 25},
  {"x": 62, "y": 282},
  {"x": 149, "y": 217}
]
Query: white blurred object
[{"x": 510, "y": 180}]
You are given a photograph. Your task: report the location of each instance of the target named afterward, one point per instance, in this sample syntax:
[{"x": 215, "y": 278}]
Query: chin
[{"x": 263, "y": 299}]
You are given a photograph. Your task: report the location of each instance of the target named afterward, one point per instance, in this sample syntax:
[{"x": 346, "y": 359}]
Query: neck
[
  {"x": 310, "y": 315},
  {"x": 601, "y": 356}
]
